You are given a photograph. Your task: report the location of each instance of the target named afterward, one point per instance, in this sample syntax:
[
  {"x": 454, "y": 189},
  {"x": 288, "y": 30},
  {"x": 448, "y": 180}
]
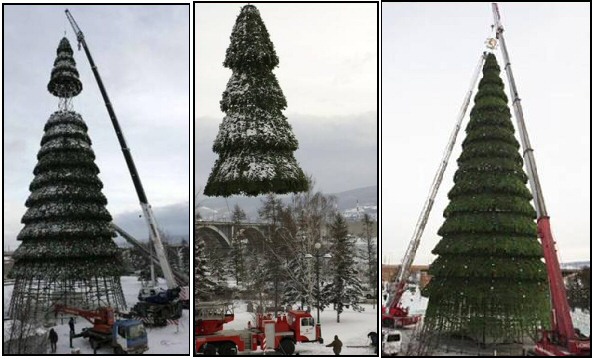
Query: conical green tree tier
[
  {"x": 64, "y": 80},
  {"x": 489, "y": 281},
  {"x": 255, "y": 142}
]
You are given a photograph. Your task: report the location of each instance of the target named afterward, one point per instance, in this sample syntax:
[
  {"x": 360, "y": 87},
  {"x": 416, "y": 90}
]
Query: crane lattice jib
[
  {"x": 562, "y": 322},
  {"x": 406, "y": 267},
  {"x": 146, "y": 208}
]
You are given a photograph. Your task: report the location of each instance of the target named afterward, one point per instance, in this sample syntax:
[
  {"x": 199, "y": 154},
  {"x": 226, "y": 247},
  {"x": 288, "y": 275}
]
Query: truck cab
[
  {"x": 391, "y": 342},
  {"x": 129, "y": 336},
  {"x": 303, "y": 325}
]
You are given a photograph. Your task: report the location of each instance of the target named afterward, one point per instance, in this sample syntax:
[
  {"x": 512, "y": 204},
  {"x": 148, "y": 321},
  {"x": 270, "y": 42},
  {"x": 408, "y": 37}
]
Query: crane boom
[
  {"x": 146, "y": 208},
  {"x": 562, "y": 326},
  {"x": 405, "y": 269},
  {"x": 180, "y": 277},
  {"x": 538, "y": 198}
]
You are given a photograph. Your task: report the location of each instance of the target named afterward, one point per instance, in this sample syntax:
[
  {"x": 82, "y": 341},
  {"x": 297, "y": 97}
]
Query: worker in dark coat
[
  {"x": 374, "y": 337},
  {"x": 53, "y": 340},
  {"x": 336, "y": 344},
  {"x": 71, "y": 325}
]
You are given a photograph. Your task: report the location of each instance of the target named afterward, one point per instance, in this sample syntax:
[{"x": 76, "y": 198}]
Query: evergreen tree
[
  {"x": 297, "y": 289},
  {"x": 488, "y": 281},
  {"x": 237, "y": 256},
  {"x": 255, "y": 142},
  {"x": 67, "y": 240},
  {"x": 203, "y": 285},
  {"x": 370, "y": 253},
  {"x": 578, "y": 290},
  {"x": 271, "y": 209},
  {"x": 220, "y": 268},
  {"x": 345, "y": 288},
  {"x": 185, "y": 255},
  {"x": 238, "y": 214}
]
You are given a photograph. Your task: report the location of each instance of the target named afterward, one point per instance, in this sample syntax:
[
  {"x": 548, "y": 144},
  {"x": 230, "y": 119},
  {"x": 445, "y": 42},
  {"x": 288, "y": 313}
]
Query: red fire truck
[{"x": 280, "y": 334}]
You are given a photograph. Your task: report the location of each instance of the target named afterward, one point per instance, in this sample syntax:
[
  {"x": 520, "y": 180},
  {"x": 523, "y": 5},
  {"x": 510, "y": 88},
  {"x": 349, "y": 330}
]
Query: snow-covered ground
[
  {"x": 165, "y": 340},
  {"x": 352, "y": 330}
]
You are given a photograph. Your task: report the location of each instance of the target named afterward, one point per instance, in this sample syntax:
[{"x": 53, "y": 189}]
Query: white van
[{"x": 391, "y": 342}]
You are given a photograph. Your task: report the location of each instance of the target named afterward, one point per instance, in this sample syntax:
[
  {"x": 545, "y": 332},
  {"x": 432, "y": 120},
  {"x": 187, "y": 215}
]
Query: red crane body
[
  {"x": 561, "y": 339},
  {"x": 102, "y": 319},
  {"x": 394, "y": 315}
]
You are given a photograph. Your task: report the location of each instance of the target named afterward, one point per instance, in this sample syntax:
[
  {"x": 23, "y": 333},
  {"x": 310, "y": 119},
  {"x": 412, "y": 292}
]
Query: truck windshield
[
  {"x": 307, "y": 322},
  {"x": 393, "y": 338},
  {"x": 136, "y": 331}
]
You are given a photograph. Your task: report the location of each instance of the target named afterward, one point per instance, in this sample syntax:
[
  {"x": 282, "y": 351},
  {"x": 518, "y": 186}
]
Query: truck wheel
[
  {"x": 178, "y": 310},
  {"x": 209, "y": 350},
  {"x": 286, "y": 346},
  {"x": 94, "y": 344},
  {"x": 227, "y": 349}
]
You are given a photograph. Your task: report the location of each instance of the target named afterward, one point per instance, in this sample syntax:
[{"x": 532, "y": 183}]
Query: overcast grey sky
[
  {"x": 328, "y": 73},
  {"x": 429, "y": 53},
  {"x": 142, "y": 53}
]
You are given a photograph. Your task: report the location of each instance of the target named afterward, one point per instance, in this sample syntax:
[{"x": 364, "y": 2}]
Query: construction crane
[
  {"x": 173, "y": 286},
  {"x": 394, "y": 314},
  {"x": 561, "y": 339}
]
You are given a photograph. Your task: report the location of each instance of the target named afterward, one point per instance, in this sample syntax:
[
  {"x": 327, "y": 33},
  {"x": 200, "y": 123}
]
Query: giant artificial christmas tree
[
  {"x": 255, "y": 142},
  {"x": 489, "y": 282},
  {"x": 67, "y": 255}
]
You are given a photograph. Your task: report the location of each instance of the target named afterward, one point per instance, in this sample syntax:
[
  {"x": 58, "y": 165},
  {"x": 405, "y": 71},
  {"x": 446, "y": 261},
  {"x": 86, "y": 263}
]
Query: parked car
[{"x": 391, "y": 342}]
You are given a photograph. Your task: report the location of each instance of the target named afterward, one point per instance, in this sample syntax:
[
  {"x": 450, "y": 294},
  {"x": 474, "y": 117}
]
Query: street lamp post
[{"x": 317, "y": 256}]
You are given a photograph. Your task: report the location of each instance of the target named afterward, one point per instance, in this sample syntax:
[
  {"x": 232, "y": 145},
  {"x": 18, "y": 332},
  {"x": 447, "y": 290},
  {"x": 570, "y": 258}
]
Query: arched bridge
[{"x": 221, "y": 234}]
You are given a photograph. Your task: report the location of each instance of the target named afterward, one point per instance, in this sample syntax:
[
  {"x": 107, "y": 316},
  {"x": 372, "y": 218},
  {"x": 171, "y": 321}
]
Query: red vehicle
[
  {"x": 562, "y": 339},
  {"x": 280, "y": 334}
]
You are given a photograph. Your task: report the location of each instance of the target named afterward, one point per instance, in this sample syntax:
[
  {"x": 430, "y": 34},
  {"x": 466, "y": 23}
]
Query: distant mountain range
[
  {"x": 173, "y": 220},
  {"x": 575, "y": 265},
  {"x": 352, "y": 203}
]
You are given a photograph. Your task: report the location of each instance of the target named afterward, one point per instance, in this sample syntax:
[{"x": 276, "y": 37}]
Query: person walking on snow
[
  {"x": 53, "y": 339},
  {"x": 336, "y": 344},
  {"x": 71, "y": 325}
]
